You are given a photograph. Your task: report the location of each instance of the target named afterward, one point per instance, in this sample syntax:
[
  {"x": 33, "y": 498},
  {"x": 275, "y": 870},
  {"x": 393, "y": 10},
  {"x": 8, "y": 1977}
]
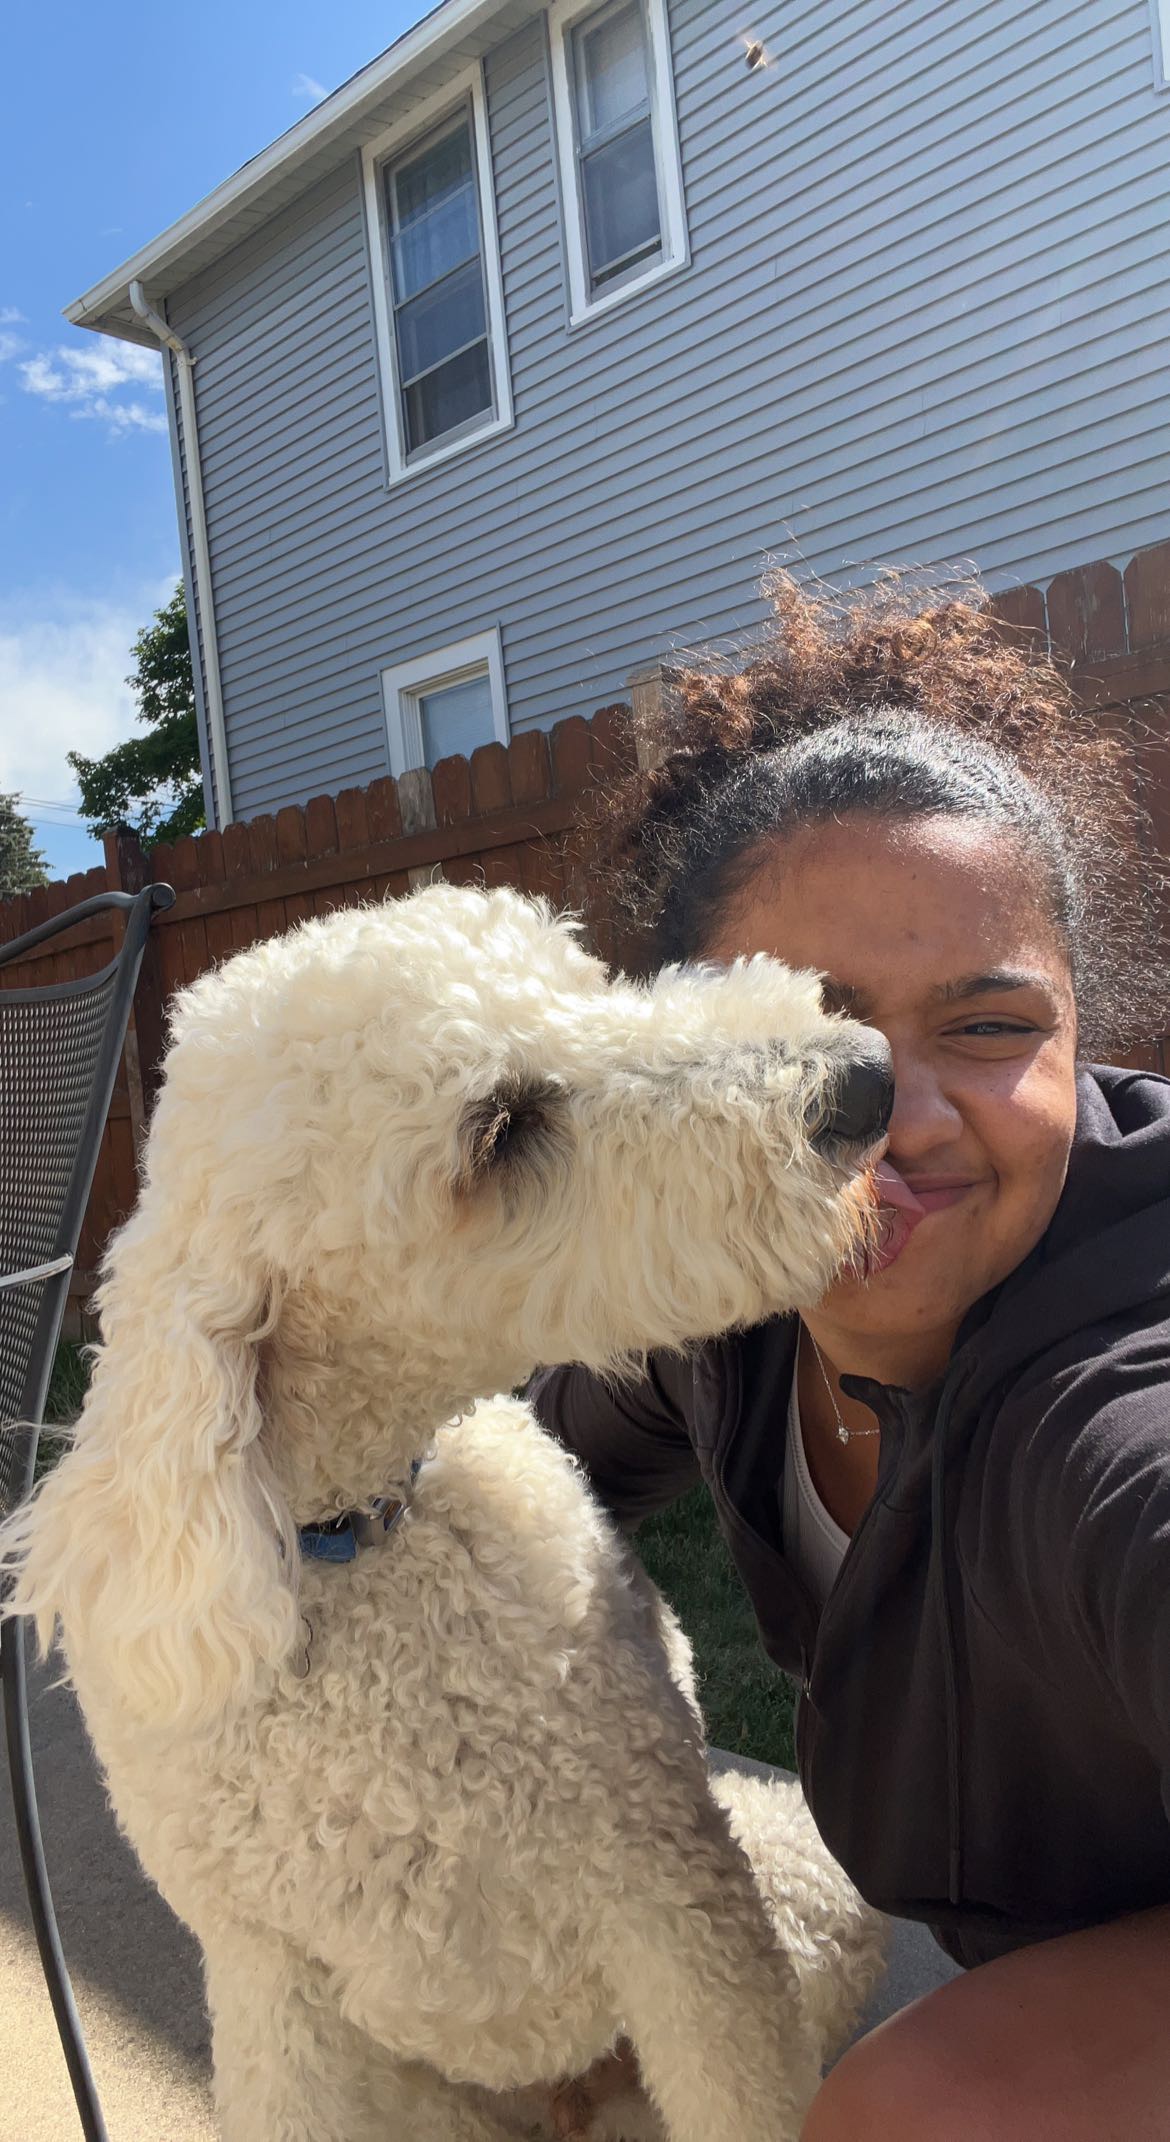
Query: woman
[{"x": 948, "y": 1489}]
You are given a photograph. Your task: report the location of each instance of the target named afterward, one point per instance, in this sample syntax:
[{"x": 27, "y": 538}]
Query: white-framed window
[
  {"x": 438, "y": 291},
  {"x": 446, "y": 703},
  {"x": 617, "y": 147}
]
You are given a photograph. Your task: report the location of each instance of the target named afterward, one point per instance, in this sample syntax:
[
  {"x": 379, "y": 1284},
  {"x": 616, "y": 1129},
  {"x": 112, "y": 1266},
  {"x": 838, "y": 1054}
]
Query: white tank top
[{"x": 813, "y": 1541}]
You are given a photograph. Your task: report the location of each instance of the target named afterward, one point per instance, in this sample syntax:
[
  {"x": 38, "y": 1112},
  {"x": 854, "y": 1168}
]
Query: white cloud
[
  {"x": 122, "y": 416},
  {"x": 10, "y": 344},
  {"x": 305, "y": 86},
  {"x": 62, "y": 688},
  {"x": 85, "y": 383}
]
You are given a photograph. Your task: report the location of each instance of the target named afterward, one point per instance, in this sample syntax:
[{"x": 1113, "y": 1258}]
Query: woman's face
[{"x": 931, "y": 931}]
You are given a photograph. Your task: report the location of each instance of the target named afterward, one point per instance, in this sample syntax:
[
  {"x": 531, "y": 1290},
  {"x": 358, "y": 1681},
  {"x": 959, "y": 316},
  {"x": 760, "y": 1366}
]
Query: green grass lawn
[
  {"x": 68, "y": 1383},
  {"x": 747, "y": 1704}
]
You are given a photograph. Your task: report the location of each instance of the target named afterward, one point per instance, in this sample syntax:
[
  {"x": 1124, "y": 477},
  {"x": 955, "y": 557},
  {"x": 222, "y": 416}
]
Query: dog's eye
[{"x": 513, "y": 1128}]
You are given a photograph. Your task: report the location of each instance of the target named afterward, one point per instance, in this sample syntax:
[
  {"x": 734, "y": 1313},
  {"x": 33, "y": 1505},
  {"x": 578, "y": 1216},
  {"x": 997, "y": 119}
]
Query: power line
[{"x": 51, "y": 813}]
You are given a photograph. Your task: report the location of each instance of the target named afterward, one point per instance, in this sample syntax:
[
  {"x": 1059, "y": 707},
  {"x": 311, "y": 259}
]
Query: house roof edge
[{"x": 224, "y": 213}]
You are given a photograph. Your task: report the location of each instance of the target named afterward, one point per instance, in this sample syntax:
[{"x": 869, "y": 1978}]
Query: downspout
[{"x": 204, "y": 596}]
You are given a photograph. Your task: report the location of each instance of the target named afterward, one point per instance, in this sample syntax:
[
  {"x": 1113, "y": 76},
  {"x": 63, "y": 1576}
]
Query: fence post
[
  {"x": 647, "y": 688},
  {"x": 127, "y": 870}
]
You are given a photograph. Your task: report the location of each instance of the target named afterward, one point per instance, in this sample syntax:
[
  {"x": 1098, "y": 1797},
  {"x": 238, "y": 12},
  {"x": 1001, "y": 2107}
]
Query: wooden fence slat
[
  {"x": 531, "y": 776},
  {"x": 1021, "y": 611},
  {"x": 491, "y": 786},
  {"x": 213, "y": 872},
  {"x": 193, "y": 928},
  {"x": 451, "y": 789},
  {"x": 292, "y": 848},
  {"x": 321, "y": 840},
  {"x": 353, "y": 836},
  {"x": 383, "y": 810},
  {"x": 572, "y": 757},
  {"x": 320, "y": 826},
  {"x": 291, "y": 844},
  {"x": 529, "y": 767},
  {"x": 353, "y": 821},
  {"x": 262, "y": 849},
  {"x": 491, "y": 790},
  {"x": 1147, "y": 596},
  {"x": 237, "y": 861},
  {"x": 416, "y": 801},
  {"x": 15, "y": 913},
  {"x": 1086, "y": 612}
]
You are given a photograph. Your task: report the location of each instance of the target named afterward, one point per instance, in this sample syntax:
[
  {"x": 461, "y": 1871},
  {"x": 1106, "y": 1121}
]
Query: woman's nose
[{"x": 923, "y": 1114}]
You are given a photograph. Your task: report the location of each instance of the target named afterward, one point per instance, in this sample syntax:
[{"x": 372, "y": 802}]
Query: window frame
[
  {"x": 405, "y": 683},
  {"x": 1160, "y": 29},
  {"x": 430, "y": 118},
  {"x": 564, "y": 17}
]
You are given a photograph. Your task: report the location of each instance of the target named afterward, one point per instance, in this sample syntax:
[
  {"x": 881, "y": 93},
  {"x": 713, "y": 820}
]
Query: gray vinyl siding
[{"x": 925, "y": 321}]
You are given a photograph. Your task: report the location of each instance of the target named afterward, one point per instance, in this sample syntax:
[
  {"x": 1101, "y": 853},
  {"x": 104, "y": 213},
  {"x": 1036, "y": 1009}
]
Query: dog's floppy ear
[{"x": 160, "y": 1541}]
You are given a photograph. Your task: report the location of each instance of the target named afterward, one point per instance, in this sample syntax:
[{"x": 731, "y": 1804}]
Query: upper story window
[
  {"x": 438, "y": 297},
  {"x": 621, "y": 177}
]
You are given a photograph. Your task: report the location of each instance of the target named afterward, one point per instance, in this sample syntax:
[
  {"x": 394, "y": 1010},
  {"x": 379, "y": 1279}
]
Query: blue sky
[{"x": 113, "y": 122}]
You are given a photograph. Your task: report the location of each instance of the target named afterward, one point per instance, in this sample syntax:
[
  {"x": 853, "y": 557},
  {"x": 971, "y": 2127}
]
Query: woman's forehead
[{"x": 949, "y": 908}]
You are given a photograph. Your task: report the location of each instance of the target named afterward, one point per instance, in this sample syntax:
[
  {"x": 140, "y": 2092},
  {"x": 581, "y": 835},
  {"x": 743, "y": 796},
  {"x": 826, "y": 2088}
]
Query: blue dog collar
[{"x": 337, "y": 1539}]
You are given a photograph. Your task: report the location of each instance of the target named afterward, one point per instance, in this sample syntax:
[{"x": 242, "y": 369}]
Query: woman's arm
[{"x": 632, "y": 1439}]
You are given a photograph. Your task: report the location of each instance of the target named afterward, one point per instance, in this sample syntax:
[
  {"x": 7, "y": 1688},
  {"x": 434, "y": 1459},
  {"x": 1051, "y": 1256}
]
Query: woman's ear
[{"x": 161, "y": 1542}]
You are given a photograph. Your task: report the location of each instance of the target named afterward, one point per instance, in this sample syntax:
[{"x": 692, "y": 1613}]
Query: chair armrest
[{"x": 33, "y": 1272}]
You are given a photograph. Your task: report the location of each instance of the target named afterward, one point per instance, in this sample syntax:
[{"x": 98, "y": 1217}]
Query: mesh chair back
[
  {"x": 52, "y": 1042},
  {"x": 59, "y": 1050}
]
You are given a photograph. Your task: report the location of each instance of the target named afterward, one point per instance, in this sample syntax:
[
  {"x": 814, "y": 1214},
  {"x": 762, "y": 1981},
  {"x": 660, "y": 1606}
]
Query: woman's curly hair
[{"x": 890, "y": 704}]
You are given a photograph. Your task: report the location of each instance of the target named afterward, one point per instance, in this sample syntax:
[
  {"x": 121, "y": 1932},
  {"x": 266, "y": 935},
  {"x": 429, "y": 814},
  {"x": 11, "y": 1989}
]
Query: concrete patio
[{"x": 136, "y": 1970}]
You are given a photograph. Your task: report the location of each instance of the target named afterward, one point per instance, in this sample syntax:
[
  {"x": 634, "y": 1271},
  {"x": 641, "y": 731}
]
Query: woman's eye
[{"x": 995, "y": 1028}]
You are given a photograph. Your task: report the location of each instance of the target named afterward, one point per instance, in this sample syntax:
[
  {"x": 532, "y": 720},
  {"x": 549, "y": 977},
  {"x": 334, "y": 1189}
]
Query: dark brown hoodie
[{"x": 983, "y": 1731}]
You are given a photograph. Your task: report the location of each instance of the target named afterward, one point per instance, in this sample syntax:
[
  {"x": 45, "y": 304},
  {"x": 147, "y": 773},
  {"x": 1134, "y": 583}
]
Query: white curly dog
[{"x": 439, "y": 1813}]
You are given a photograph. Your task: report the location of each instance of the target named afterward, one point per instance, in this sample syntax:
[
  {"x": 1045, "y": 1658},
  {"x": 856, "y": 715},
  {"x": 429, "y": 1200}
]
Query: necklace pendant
[{"x": 842, "y": 1432}]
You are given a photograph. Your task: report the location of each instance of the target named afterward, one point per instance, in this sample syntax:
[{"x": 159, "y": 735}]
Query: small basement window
[
  {"x": 437, "y": 289},
  {"x": 621, "y": 177},
  {"x": 445, "y": 704}
]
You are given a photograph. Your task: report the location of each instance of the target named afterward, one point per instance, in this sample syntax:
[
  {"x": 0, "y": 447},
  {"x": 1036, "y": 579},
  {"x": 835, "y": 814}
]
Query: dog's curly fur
[{"x": 440, "y": 1817}]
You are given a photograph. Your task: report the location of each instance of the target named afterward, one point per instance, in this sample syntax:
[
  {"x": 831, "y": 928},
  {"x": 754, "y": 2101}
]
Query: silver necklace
[{"x": 844, "y": 1434}]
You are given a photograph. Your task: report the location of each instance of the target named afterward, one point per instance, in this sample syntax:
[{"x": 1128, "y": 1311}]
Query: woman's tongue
[{"x": 899, "y": 1214}]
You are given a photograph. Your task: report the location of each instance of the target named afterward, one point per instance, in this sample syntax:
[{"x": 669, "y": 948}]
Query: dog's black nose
[{"x": 861, "y": 1100}]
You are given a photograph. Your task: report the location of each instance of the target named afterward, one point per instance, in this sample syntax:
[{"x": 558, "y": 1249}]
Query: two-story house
[{"x": 498, "y": 376}]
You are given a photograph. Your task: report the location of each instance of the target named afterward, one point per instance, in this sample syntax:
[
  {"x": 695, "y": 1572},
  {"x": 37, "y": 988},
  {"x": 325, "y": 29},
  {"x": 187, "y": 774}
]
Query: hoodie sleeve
[
  {"x": 632, "y": 1439},
  {"x": 1113, "y": 1538}
]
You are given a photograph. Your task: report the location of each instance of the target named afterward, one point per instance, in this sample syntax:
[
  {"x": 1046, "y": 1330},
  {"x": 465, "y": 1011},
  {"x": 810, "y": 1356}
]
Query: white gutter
[{"x": 212, "y": 694}]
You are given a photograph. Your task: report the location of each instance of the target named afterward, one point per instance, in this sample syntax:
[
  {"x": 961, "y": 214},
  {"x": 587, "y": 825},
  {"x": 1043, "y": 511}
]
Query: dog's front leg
[
  {"x": 289, "y": 2068},
  {"x": 709, "y": 1998}
]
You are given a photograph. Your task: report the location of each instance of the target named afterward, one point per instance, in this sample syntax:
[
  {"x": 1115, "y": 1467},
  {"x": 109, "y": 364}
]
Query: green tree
[
  {"x": 152, "y": 782},
  {"x": 21, "y": 863}
]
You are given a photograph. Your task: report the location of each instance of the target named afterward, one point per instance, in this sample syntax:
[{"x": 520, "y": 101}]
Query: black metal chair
[{"x": 59, "y": 1051}]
